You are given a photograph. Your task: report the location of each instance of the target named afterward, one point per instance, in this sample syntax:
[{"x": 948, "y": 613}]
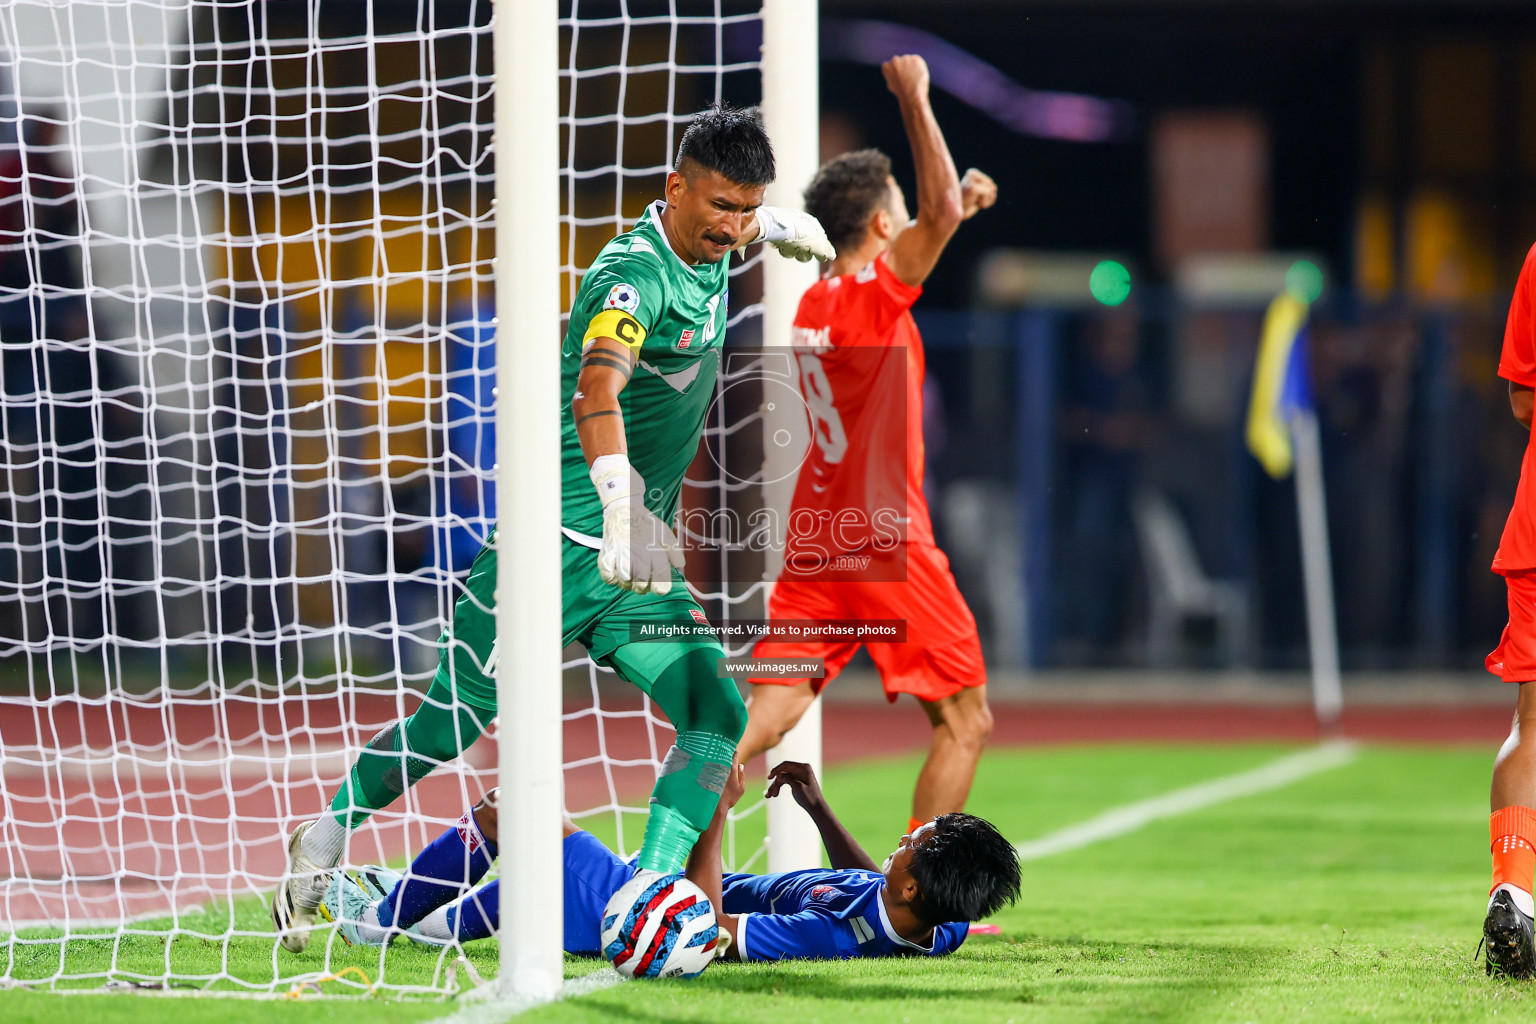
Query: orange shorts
[
  {"x": 1514, "y": 660},
  {"x": 942, "y": 654}
]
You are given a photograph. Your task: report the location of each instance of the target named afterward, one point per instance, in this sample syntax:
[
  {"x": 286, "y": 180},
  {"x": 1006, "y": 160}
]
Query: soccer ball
[{"x": 659, "y": 926}]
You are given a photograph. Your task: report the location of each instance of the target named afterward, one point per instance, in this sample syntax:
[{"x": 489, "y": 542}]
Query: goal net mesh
[{"x": 247, "y": 445}]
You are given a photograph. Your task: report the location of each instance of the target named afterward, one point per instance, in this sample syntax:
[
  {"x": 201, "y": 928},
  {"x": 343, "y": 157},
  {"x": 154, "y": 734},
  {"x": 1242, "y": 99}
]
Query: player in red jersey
[
  {"x": 860, "y": 545},
  {"x": 1508, "y": 929}
]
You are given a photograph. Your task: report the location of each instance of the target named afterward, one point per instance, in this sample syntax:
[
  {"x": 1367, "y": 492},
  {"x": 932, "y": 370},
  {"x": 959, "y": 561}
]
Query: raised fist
[
  {"x": 907, "y": 76},
  {"x": 977, "y": 192}
]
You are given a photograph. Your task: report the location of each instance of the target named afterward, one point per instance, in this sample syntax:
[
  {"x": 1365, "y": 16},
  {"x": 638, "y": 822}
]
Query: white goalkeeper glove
[
  {"x": 794, "y": 234},
  {"x": 639, "y": 551}
]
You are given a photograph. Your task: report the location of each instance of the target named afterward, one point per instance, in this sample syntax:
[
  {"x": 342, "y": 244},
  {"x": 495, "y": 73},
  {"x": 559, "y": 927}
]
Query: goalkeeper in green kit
[{"x": 638, "y": 370}]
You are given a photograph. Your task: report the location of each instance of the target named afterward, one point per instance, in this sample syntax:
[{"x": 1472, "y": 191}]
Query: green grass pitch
[{"x": 1355, "y": 894}]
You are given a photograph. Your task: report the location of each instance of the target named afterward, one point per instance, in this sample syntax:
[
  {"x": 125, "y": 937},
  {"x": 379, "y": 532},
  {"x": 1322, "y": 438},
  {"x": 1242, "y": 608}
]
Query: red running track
[
  {"x": 121, "y": 810},
  {"x": 876, "y": 729}
]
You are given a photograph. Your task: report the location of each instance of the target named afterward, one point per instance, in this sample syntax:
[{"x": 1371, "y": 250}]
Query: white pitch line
[
  {"x": 497, "y": 1009},
  {"x": 1120, "y": 820},
  {"x": 1112, "y": 823}
]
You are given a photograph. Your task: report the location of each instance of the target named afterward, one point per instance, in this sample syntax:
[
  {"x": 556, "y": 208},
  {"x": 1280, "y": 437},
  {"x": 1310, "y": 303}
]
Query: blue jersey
[
  {"x": 813, "y": 914},
  {"x": 820, "y": 914}
]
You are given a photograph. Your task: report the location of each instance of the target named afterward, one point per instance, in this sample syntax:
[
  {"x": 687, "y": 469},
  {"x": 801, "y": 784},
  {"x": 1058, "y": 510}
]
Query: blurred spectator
[
  {"x": 468, "y": 507},
  {"x": 50, "y": 385},
  {"x": 935, "y": 435},
  {"x": 1365, "y": 390},
  {"x": 440, "y": 522},
  {"x": 1490, "y": 445},
  {"x": 40, "y": 281},
  {"x": 1109, "y": 418}
]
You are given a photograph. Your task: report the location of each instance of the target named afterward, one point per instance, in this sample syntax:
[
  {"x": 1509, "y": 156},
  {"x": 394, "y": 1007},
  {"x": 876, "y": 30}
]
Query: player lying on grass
[
  {"x": 859, "y": 498},
  {"x": 951, "y": 871},
  {"x": 638, "y": 369}
]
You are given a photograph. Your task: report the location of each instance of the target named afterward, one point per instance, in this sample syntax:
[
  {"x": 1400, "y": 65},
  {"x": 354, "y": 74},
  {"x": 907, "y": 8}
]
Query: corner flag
[
  {"x": 1281, "y": 385},
  {"x": 1283, "y": 434}
]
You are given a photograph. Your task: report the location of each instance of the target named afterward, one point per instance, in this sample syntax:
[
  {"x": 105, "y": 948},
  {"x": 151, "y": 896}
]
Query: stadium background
[
  {"x": 1393, "y": 146},
  {"x": 1389, "y": 144}
]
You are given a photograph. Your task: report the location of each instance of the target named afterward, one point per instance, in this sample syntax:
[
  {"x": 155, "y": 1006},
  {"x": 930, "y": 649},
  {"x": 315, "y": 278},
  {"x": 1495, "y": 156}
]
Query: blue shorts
[{"x": 593, "y": 873}]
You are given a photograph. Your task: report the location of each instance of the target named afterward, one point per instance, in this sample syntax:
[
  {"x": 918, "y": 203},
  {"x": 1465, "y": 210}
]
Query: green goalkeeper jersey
[{"x": 672, "y": 317}]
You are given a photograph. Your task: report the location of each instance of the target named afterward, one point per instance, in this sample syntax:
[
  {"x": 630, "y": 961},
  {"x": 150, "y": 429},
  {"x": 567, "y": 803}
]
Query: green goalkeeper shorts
[{"x": 600, "y": 616}]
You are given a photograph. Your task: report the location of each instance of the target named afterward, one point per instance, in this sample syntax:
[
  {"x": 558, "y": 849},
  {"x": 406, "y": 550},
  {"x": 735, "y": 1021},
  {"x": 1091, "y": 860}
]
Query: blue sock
[
  {"x": 477, "y": 915},
  {"x": 449, "y": 866}
]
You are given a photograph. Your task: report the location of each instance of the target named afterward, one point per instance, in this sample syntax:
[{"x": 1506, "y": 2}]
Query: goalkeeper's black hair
[
  {"x": 730, "y": 141},
  {"x": 965, "y": 870},
  {"x": 845, "y": 192}
]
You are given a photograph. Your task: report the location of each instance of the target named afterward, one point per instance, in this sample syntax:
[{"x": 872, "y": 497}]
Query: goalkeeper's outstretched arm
[{"x": 797, "y": 235}]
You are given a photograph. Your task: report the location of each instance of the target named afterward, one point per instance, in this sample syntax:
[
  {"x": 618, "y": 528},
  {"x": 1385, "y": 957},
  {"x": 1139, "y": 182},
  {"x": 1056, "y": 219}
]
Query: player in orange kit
[
  {"x": 1508, "y": 928},
  {"x": 860, "y": 545}
]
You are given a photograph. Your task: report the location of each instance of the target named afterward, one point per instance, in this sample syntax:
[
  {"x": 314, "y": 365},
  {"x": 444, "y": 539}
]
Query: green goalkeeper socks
[
  {"x": 709, "y": 716},
  {"x": 684, "y": 800},
  {"x": 404, "y": 753},
  {"x": 668, "y": 841}
]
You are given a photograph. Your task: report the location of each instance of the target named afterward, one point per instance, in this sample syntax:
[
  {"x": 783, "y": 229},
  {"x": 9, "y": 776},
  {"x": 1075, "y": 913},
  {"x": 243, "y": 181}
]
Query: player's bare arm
[
  {"x": 638, "y": 550},
  {"x": 940, "y": 207},
  {"x": 843, "y": 851},
  {"x": 1522, "y": 402},
  {"x": 606, "y": 367},
  {"x": 704, "y": 868}
]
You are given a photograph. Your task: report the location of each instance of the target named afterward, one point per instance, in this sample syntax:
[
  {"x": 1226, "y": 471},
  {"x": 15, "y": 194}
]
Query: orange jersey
[
  {"x": 861, "y": 372},
  {"x": 1517, "y": 547}
]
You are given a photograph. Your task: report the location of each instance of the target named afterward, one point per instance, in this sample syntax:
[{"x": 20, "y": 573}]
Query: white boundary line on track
[{"x": 1120, "y": 820}]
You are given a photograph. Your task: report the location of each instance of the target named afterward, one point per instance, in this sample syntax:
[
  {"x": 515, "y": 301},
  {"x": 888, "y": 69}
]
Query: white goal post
[
  {"x": 528, "y": 213},
  {"x": 271, "y": 277},
  {"x": 791, "y": 111},
  {"x": 528, "y": 490}
]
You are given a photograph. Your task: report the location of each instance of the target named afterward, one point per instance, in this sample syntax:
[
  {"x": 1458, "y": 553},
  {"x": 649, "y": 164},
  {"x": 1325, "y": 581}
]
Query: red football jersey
[
  {"x": 1517, "y": 547},
  {"x": 861, "y": 373}
]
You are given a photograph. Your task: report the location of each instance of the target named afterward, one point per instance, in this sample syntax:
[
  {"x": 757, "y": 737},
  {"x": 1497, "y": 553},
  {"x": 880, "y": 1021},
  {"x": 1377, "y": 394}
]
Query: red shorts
[
  {"x": 942, "y": 654},
  {"x": 1514, "y": 660}
]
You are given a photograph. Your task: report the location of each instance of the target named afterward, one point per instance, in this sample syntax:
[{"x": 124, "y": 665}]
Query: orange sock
[
  {"x": 1512, "y": 838},
  {"x": 913, "y": 824}
]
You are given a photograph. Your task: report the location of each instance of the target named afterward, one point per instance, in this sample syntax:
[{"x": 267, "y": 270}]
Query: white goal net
[{"x": 247, "y": 445}]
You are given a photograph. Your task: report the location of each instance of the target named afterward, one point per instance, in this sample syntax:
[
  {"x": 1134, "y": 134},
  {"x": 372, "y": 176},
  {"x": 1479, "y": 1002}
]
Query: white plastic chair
[{"x": 1179, "y": 587}]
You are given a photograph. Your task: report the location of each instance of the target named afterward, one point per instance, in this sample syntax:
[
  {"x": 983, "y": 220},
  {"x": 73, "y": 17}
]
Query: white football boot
[{"x": 298, "y": 895}]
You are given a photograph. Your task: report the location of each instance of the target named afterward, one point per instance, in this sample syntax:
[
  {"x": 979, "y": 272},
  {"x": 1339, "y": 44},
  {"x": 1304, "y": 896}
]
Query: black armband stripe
[
  {"x": 603, "y": 359},
  {"x": 601, "y": 412},
  {"x": 623, "y": 353}
]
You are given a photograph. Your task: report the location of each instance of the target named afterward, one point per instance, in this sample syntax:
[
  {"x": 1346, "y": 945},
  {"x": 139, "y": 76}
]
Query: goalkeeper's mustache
[{"x": 723, "y": 240}]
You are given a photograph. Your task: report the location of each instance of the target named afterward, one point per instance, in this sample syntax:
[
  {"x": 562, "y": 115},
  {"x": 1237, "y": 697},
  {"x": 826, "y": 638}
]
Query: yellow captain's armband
[{"x": 616, "y": 324}]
